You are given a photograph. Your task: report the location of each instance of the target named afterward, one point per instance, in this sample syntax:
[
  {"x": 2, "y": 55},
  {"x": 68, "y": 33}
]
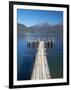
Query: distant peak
[{"x": 41, "y": 24}]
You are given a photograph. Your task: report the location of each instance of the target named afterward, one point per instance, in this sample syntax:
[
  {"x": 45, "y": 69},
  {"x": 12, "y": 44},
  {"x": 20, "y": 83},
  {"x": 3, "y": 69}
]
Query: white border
[{"x": 27, "y": 82}]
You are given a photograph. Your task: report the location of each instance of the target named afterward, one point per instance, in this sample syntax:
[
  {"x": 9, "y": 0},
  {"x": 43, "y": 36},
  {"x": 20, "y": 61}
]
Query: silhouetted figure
[
  {"x": 48, "y": 44},
  {"x": 33, "y": 44},
  {"x": 51, "y": 44}
]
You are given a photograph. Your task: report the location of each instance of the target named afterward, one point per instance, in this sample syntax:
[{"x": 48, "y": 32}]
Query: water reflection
[{"x": 26, "y": 56}]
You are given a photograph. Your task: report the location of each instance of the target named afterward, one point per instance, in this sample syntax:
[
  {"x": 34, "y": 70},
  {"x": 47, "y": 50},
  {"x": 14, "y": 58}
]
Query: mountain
[
  {"x": 47, "y": 28},
  {"x": 21, "y": 29},
  {"x": 40, "y": 27}
]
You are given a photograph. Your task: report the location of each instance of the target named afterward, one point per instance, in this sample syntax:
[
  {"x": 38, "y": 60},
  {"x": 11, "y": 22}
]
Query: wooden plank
[{"x": 41, "y": 68}]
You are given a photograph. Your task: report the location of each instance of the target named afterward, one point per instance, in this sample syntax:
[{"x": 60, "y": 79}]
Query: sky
[{"x": 33, "y": 17}]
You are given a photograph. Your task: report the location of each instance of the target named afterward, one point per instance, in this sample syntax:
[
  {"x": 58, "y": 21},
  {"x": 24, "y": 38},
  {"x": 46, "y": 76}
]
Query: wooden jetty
[
  {"x": 34, "y": 43},
  {"x": 41, "y": 69}
]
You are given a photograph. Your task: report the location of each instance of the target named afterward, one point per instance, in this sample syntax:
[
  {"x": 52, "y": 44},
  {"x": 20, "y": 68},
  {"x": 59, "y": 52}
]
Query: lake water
[{"x": 26, "y": 56}]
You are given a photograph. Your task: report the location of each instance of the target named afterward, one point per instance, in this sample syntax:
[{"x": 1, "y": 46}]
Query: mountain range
[{"x": 40, "y": 27}]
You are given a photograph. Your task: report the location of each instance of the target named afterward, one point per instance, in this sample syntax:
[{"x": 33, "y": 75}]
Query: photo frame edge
[{"x": 11, "y": 4}]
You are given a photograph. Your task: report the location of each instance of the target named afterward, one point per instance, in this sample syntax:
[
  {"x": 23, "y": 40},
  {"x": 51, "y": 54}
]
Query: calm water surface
[{"x": 26, "y": 56}]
